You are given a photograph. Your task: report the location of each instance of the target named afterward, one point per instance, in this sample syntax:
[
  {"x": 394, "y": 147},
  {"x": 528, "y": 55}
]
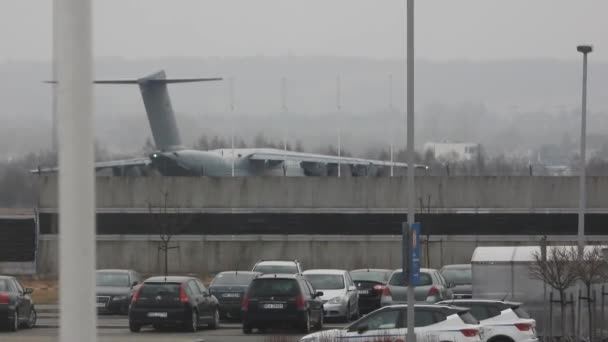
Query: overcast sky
[{"x": 446, "y": 29}]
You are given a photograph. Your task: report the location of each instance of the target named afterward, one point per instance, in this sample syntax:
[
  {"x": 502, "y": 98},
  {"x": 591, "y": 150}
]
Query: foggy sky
[{"x": 446, "y": 29}]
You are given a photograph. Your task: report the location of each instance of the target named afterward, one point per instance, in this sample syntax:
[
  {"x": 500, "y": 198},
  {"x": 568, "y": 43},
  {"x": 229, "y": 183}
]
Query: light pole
[
  {"x": 582, "y": 196},
  {"x": 411, "y": 196}
]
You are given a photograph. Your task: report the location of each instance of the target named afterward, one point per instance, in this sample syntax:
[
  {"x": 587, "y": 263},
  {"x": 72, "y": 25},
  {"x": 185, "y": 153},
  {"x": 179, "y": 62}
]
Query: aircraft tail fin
[{"x": 157, "y": 102}]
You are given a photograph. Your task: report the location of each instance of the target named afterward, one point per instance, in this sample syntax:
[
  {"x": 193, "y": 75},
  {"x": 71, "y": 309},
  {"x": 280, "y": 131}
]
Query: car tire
[
  {"x": 357, "y": 314},
  {"x": 216, "y": 320},
  {"x": 192, "y": 325},
  {"x": 135, "y": 328},
  {"x": 15, "y": 323},
  {"x": 305, "y": 328},
  {"x": 247, "y": 329},
  {"x": 319, "y": 325},
  {"x": 347, "y": 316},
  {"x": 31, "y": 322}
]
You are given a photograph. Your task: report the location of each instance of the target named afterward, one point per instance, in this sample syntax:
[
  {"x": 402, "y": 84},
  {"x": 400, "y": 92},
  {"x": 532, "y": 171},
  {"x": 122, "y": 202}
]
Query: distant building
[{"x": 450, "y": 151}]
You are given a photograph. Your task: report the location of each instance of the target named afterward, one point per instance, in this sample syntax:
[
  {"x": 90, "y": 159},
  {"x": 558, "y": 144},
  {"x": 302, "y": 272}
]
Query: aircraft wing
[
  {"x": 121, "y": 163},
  {"x": 278, "y": 155}
]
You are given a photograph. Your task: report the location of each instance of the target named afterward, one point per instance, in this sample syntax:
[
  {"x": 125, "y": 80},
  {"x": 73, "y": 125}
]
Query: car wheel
[
  {"x": 319, "y": 325},
  {"x": 134, "y": 327},
  {"x": 306, "y": 324},
  {"x": 192, "y": 326},
  {"x": 32, "y": 319},
  {"x": 357, "y": 314},
  {"x": 15, "y": 323},
  {"x": 216, "y": 320},
  {"x": 247, "y": 329},
  {"x": 348, "y": 314}
]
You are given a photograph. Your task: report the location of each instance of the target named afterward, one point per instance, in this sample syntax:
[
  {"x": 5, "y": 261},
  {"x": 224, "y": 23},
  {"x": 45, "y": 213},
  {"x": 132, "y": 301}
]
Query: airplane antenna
[
  {"x": 284, "y": 110},
  {"x": 231, "y": 91},
  {"x": 339, "y": 108},
  {"x": 390, "y": 109}
]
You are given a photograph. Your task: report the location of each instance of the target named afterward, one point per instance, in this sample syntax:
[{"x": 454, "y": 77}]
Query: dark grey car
[
  {"x": 115, "y": 289},
  {"x": 16, "y": 306},
  {"x": 462, "y": 278},
  {"x": 229, "y": 288}
]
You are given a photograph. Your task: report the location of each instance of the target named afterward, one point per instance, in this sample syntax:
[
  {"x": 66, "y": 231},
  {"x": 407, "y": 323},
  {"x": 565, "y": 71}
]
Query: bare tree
[
  {"x": 168, "y": 224},
  {"x": 591, "y": 269},
  {"x": 558, "y": 270}
]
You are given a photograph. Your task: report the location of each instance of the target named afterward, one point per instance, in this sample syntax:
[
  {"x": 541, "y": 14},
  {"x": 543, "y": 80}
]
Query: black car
[
  {"x": 282, "y": 300},
  {"x": 462, "y": 278},
  {"x": 370, "y": 284},
  {"x": 173, "y": 301},
  {"x": 115, "y": 289},
  {"x": 229, "y": 288},
  {"x": 16, "y": 306}
]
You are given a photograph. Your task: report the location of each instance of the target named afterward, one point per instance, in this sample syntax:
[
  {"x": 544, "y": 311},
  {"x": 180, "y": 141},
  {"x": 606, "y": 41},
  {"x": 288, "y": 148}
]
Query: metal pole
[
  {"x": 73, "y": 37},
  {"x": 233, "y": 122},
  {"x": 392, "y": 127},
  {"x": 284, "y": 109},
  {"x": 411, "y": 336},
  {"x": 54, "y": 85},
  {"x": 584, "y": 49},
  {"x": 339, "y": 107}
]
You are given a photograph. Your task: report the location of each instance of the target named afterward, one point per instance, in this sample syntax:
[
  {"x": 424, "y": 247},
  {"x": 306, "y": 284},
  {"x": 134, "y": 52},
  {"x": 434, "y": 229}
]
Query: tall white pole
[
  {"x": 284, "y": 109},
  {"x": 54, "y": 85},
  {"x": 582, "y": 197},
  {"x": 391, "y": 123},
  {"x": 339, "y": 107},
  {"x": 73, "y": 37},
  {"x": 232, "y": 122},
  {"x": 411, "y": 196}
]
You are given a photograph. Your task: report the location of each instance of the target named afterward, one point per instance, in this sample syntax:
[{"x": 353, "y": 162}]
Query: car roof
[
  {"x": 6, "y": 277},
  {"x": 278, "y": 276},
  {"x": 168, "y": 279},
  {"x": 456, "y": 266},
  {"x": 439, "y": 307},
  {"x": 110, "y": 270},
  {"x": 238, "y": 273},
  {"x": 482, "y": 301},
  {"x": 371, "y": 270},
  {"x": 425, "y": 270},
  {"x": 325, "y": 271},
  {"x": 277, "y": 262}
]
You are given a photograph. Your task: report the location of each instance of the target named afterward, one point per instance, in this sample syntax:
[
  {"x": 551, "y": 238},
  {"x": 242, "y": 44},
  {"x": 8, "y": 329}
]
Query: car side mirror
[
  {"x": 362, "y": 328},
  {"x": 28, "y": 290},
  {"x": 134, "y": 284},
  {"x": 319, "y": 294},
  {"x": 352, "y": 288}
]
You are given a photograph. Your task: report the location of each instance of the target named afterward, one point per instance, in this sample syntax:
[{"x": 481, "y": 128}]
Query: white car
[
  {"x": 277, "y": 267},
  {"x": 340, "y": 295},
  {"x": 433, "y": 323},
  {"x": 502, "y": 321}
]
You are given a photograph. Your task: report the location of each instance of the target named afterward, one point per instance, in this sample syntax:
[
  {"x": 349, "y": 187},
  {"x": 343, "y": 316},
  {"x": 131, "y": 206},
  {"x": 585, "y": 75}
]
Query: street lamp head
[{"x": 584, "y": 48}]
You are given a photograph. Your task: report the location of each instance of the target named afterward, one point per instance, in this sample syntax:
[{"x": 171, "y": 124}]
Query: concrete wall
[
  {"x": 328, "y": 194},
  {"x": 211, "y": 254}
]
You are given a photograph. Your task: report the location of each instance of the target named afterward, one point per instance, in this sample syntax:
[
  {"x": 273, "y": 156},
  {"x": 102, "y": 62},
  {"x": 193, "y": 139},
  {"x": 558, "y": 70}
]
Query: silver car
[
  {"x": 462, "y": 278},
  {"x": 340, "y": 296},
  {"x": 431, "y": 288}
]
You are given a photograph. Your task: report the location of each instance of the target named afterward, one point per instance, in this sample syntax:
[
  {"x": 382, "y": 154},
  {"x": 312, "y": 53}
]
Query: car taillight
[
  {"x": 4, "y": 298},
  {"x": 135, "y": 296},
  {"x": 182, "y": 295},
  {"x": 300, "y": 304},
  {"x": 469, "y": 332},
  {"x": 433, "y": 292},
  {"x": 386, "y": 292},
  {"x": 523, "y": 326},
  {"x": 379, "y": 288},
  {"x": 245, "y": 303}
]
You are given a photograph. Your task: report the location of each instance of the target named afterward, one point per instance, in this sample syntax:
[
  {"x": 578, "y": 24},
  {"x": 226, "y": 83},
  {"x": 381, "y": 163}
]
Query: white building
[{"x": 449, "y": 151}]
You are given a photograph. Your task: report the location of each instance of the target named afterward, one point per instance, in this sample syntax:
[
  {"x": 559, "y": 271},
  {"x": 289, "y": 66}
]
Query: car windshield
[
  {"x": 112, "y": 279},
  {"x": 326, "y": 281},
  {"x": 458, "y": 276},
  {"x": 375, "y": 276},
  {"x": 3, "y": 285},
  {"x": 274, "y": 287},
  {"x": 397, "y": 279},
  {"x": 521, "y": 313},
  {"x": 168, "y": 290},
  {"x": 276, "y": 269},
  {"x": 238, "y": 279}
]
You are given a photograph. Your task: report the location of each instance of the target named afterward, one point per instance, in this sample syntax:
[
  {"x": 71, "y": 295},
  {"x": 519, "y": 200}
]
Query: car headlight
[
  {"x": 119, "y": 298},
  {"x": 335, "y": 300}
]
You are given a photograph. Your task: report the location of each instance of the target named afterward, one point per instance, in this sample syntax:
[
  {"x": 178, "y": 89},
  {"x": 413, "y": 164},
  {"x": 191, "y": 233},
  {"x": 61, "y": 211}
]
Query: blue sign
[{"x": 415, "y": 255}]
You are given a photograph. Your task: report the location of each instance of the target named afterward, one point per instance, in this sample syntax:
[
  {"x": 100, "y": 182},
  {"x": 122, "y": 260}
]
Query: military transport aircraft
[{"x": 173, "y": 159}]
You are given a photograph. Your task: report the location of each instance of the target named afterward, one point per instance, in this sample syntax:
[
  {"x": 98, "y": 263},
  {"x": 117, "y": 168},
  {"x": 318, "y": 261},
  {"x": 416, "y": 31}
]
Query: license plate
[
  {"x": 363, "y": 292},
  {"x": 157, "y": 314},
  {"x": 100, "y": 305},
  {"x": 273, "y": 306},
  {"x": 230, "y": 295}
]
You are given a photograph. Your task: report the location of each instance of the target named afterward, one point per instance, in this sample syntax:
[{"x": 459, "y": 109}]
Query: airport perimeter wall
[
  {"x": 209, "y": 254},
  {"x": 330, "y": 194}
]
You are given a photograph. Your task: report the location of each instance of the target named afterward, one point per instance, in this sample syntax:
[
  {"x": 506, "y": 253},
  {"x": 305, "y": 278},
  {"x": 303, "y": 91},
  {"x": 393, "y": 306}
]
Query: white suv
[
  {"x": 277, "y": 267},
  {"x": 433, "y": 323},
  {"x": 502, "y": 321}
]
